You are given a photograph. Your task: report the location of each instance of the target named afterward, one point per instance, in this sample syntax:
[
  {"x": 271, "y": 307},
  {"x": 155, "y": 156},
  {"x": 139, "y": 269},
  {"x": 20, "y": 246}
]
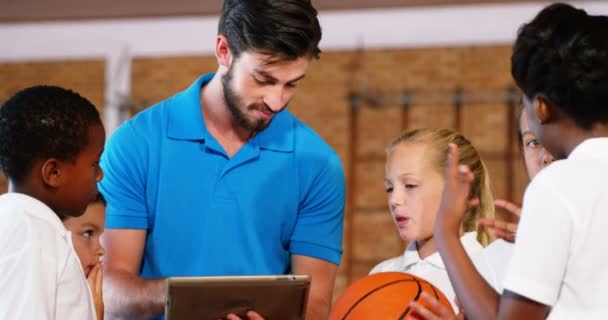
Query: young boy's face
[
  {"x": 86, "y": 231},
  {"x": 82, "y": 175}
]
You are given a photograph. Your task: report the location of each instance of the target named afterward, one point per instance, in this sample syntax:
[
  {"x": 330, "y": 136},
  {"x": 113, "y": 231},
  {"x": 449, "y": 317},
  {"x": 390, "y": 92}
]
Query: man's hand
[
  {"x": 502, "y": 229},
  {"x": 95, "y": 281}
]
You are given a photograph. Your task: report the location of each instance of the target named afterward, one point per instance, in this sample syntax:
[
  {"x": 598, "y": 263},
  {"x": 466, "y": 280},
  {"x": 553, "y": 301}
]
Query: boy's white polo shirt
[
  {"x": 40, "y": 274},
  {"x": 492, "y": 262},
  {"x": 430, "y": 268},
  {"x": 560, "y": 257}
]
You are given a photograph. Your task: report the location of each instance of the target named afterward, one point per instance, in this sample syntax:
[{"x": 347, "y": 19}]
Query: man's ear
[
  {"x": 543, "y": 109},
  {"x": 52, "y": 174},
  {"x": 222, "y": 51}
]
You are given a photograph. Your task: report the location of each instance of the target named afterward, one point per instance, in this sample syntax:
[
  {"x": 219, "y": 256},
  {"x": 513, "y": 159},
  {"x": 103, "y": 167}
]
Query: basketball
[{"x": 385, "y": 296}]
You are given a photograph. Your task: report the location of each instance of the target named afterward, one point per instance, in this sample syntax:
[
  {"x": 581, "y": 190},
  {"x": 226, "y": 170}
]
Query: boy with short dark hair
[
  {"x": 86, "y": 233},
  {"x": 50, "y": 143}
]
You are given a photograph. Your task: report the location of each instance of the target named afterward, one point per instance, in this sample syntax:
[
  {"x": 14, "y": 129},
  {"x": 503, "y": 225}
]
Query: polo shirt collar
[
  {"x": 411, "y": 257},
  {"x": 185, "y": 117},
  {"x": 36, "y": 208},
  {"x": 279, "y": 135},
  {"x": 590, "y": 148},
  {"x": 186, "y": 122}
]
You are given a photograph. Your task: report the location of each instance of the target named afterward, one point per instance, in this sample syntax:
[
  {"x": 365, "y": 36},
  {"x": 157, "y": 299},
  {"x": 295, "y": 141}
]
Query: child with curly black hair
[
  {"x": 558, "y": 269},
  {"x": 50, "y": 143}
]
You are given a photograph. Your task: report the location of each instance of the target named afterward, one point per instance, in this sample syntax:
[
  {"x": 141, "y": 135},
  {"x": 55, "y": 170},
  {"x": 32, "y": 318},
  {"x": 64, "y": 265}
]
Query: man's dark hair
[
  {"x": 562, "y": 56},
  {"x": 43, "y": 122},
  {"x": 286, "y": 29}
]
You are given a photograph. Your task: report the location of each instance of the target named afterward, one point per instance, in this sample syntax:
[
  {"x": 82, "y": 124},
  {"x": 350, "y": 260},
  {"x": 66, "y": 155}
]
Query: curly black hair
[
  {"x": 562, "y": 56},
  {"x": 43, "y": 122}
]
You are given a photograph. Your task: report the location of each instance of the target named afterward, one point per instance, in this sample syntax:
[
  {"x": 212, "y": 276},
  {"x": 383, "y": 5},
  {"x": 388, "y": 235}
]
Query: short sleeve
[
  {"x": 492, "y": 263},
  {"x": 542, "y": 246},
  {"x": 318, "y": 230},
  {"x": 124, "y": 164},
  {"x": 27, "y": 281},
  {"x": 385, "y": 266}
]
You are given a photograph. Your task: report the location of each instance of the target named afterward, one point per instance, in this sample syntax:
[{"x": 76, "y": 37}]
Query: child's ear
[
  {"x": 543, "y": 109},
  {"x": 52, "y": 172}
]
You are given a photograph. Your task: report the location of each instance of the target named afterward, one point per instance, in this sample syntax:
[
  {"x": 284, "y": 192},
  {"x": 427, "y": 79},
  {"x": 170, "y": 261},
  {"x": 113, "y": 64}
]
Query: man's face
[{"x": 255, "y": 90}]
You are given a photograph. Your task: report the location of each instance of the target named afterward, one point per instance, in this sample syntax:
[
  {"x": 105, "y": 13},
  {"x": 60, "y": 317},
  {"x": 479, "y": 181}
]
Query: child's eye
[
  {"x": 410, "y": 186},
  {"x": 533, "y": 143},
  {"x": 88, "y": 233},
  {"x": 389, "y": 189}
]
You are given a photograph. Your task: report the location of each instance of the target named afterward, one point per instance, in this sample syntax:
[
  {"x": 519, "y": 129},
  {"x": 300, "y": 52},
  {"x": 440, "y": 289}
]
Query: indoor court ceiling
[{"x": 39, "y": 10}]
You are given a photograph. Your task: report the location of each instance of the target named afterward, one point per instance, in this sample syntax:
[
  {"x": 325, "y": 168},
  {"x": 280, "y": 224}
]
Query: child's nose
[{"x": 100, "y": 250}]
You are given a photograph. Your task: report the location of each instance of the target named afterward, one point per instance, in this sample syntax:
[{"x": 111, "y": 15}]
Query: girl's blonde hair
[{"x": 437, "y": 140}]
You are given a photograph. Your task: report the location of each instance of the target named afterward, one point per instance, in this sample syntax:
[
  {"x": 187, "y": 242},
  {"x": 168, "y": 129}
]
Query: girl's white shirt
[{"x": 430, "y": 268}]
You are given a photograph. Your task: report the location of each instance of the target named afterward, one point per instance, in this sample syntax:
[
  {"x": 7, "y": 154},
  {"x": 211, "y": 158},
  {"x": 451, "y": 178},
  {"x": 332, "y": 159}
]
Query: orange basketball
[{"x": 385, "y": 296}]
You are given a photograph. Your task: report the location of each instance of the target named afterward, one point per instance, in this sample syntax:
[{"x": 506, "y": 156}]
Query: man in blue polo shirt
[{"x": 222, "y": 180}]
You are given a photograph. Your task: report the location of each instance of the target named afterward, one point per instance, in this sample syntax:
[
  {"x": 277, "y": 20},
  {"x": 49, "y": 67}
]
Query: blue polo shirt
[{"x": 205, "y": 213}]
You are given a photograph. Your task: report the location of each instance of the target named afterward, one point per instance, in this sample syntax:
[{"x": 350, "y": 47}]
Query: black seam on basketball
[
  {"x": 434, "y": 291},
  {"x": 373, "y": 291},
  {"x": 407, "y": 310}
]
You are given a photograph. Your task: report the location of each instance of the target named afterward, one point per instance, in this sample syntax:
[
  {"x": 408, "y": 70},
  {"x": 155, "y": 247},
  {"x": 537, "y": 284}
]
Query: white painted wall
[{"x": 118, "y": 40}]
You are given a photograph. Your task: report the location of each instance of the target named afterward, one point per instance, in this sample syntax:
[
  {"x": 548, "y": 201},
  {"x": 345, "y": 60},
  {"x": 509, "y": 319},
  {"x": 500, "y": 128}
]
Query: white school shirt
[
  {"x": 431, "y": 268},
  {"x": 560, "y": 257},
  {"x": 492, "y": 262},
  {"x": 40, "y": 274}
]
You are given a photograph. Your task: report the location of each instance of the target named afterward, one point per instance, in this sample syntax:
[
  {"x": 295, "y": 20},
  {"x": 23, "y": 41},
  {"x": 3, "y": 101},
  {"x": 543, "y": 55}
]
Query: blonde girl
[{"x": 414, "y": 181}]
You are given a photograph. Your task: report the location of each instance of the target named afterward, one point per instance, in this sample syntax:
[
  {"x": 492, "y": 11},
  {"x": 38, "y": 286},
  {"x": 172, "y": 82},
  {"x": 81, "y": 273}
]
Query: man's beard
[{"x": 233, "y": 101}]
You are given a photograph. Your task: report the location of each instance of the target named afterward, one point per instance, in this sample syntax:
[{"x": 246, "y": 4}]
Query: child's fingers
[
  {"x": 420, "y": 312},
  {"x": 473, "y": 203},
  {"x": 91, "y": 278},
  {"x": 464, "y": 174},
  {"x": 433, "y": 311},
  {"x": 510, "y": 207},
  {"x": 99, "y": 282},
  {"x": 502, "y": 234},
  {"x": 451, "y": 167},
  {"x": 252, "y": 315},
  {"x": 436, "y": 306},
  {"x": 498, "y": 224},
  {"x": 501, "y": 229}
]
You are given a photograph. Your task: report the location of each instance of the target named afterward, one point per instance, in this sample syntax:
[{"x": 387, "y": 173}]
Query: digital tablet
[{"x": 281, "y": 297}]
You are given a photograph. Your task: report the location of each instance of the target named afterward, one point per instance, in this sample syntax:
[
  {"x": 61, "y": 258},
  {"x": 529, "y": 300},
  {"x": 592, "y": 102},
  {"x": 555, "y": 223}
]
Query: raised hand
[
  {"x": 455, "y": 197},
  {"x": 503, "y": 229}
]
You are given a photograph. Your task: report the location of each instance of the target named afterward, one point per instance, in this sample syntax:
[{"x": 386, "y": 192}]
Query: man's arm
[
  {"x": 323, "y": 275},
  {"x": 126, "y": 294}
]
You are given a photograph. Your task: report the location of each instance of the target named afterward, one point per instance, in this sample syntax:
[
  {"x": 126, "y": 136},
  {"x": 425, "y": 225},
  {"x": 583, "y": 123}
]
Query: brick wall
[
  {"x": 321, "y": 102},
  {"x": 85, "y": 77}
]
